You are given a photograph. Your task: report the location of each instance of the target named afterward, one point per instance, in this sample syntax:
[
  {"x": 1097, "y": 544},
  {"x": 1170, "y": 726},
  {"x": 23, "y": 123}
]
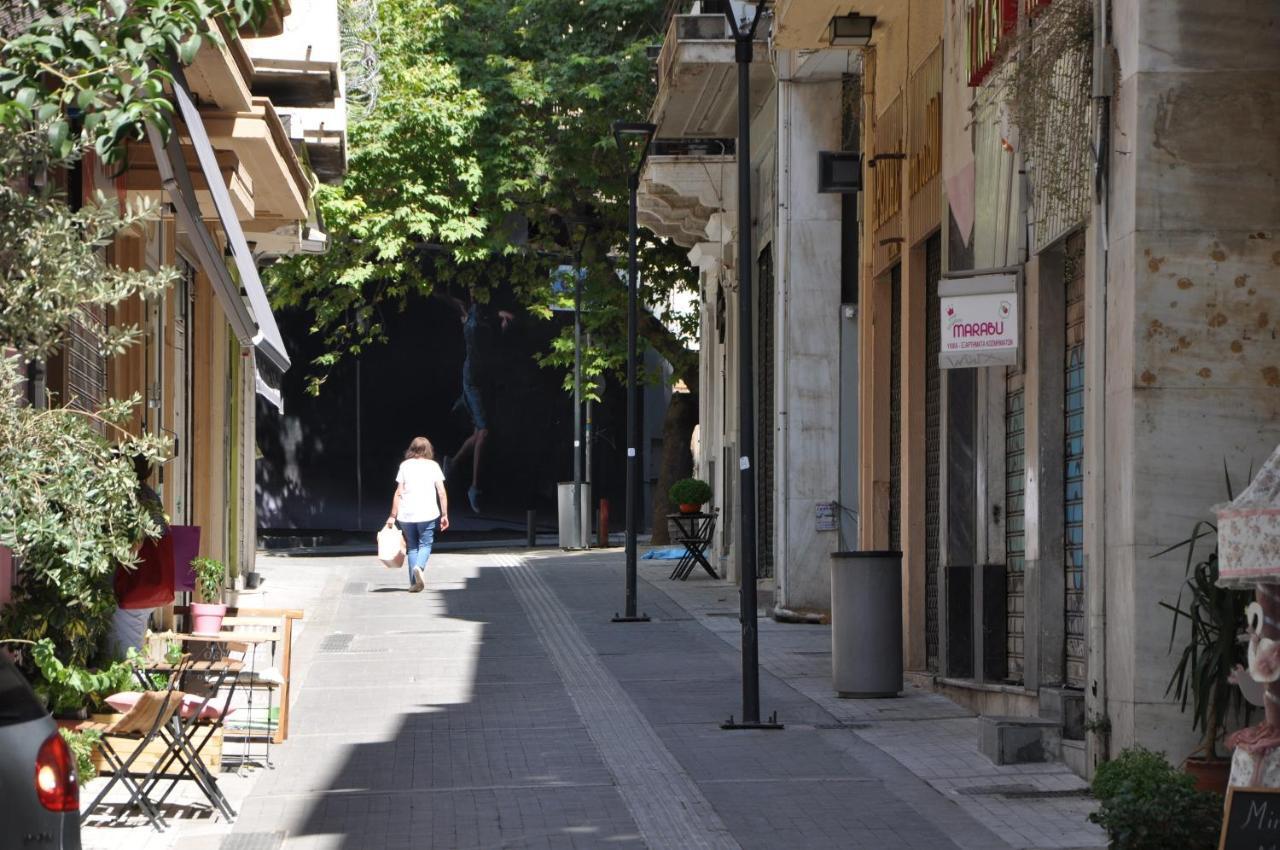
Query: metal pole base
[
  {"x": 771, "y": 723},
  {"x": 643, "y": 618}
]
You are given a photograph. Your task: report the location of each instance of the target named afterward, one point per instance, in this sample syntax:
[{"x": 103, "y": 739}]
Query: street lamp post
[
  {"x": 744, "y": 34},
  {"x": 632, "y": 137}
]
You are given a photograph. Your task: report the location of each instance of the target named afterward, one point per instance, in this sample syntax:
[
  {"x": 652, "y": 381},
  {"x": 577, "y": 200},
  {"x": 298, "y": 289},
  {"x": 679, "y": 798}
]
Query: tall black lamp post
[
  {"x": 744, "y": 33},
  {"x": 633, "y": 143}
]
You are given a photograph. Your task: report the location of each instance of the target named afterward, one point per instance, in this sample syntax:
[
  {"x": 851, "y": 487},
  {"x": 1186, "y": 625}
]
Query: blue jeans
[{"x": 418, "y": 537}]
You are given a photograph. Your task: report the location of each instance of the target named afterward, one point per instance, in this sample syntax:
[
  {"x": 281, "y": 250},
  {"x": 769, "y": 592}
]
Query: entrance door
[{"x": 183, "y": 352}]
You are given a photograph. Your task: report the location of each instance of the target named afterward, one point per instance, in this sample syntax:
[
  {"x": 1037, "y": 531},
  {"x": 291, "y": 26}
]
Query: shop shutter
[
  {"x": 1073, "y": 464},
  {"x": 765, "y": 414},
  {"x": 895, "y": 408},
  {"x": 1015, "y": 545},
  {"x": 932, "y": 437}
]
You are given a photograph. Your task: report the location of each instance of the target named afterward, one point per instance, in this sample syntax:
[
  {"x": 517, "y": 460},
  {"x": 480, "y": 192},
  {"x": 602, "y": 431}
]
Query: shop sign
[
  {"x": 989, "y": 23},
  {"x": 979, "y": 321}
]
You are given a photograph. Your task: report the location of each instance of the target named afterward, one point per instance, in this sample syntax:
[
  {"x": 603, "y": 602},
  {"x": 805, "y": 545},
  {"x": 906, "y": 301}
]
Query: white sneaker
[{"x": 419, "y": 580}]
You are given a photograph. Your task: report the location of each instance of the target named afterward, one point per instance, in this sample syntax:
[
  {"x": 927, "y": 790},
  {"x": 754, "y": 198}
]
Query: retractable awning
[{"x": 244, "y": 300}]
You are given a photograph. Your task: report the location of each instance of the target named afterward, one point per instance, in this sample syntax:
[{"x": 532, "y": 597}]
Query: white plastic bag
[{"x": 391, "y": 547}]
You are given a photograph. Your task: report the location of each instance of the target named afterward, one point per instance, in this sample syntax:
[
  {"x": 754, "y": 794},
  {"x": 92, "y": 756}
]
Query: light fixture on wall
[{"x": 852, "y": 30}]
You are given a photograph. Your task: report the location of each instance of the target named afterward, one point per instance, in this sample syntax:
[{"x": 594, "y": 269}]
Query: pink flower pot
[{"x": 206, "y": 619}]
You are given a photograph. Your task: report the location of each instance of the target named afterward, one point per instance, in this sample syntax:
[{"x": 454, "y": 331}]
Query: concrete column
[
  {"x": 807, "y": 334},
  {"x": 1045, "y": 621}
]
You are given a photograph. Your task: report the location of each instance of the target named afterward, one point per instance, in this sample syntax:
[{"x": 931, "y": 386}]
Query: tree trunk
[{"x": 677, "y": 458}]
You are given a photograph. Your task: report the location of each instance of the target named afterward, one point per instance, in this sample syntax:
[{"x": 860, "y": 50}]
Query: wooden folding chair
[{"x": 142, "y": 724}]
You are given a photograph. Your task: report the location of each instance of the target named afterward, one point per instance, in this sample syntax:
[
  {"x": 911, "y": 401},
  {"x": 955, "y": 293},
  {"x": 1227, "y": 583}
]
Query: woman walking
[{"x": 420, "y": 507}]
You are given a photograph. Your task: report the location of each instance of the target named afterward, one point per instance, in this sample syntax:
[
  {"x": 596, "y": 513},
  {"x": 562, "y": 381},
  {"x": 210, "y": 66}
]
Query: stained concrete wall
[
  {"x": 1192, "y": 305},
  {"x": 807, "y": 331}
]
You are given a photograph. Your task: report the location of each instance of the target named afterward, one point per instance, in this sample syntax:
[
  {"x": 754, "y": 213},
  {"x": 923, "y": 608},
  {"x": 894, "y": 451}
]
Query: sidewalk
[{"x": 502, "y": 708}]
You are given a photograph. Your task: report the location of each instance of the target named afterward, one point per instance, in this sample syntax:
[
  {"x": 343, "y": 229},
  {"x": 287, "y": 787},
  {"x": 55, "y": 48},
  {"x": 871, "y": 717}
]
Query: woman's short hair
[{"x": 420, "y": 447}]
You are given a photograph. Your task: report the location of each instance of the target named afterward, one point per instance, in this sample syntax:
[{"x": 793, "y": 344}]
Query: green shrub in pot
[
  {"x": 1145, "y": 803},
  {"x": 690, "y": 491}
]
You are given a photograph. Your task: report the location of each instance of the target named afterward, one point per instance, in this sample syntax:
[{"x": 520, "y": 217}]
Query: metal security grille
[
  {"x": 86, "y": 376},
  {"x": 895, "y": 408},
  {"x": 932, "y": 455},
  {"x": 765, "y": 415},
  {"x": 1015, "y": 541},
  {"x": 1073, "y": 464}
]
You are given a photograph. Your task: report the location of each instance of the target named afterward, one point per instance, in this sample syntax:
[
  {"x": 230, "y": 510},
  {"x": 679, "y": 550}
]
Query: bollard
[
  {"x": 530, "y": 528},
  {"x": 603, "y": 525}
]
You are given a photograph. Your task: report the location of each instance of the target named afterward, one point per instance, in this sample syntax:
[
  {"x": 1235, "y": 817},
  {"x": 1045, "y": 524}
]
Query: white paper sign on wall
[{"x": 979, "y": 321}]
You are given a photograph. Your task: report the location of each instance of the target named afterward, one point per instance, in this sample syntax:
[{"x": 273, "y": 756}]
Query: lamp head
[{"x": 852, "y": 30}]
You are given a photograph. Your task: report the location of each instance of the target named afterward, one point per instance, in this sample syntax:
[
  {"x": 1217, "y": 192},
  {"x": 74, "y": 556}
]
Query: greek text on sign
[{"x": 979, "y": 328}]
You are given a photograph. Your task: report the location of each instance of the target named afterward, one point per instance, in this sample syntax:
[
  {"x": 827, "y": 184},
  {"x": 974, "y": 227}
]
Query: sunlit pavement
[{"x": 502, "y": 708}]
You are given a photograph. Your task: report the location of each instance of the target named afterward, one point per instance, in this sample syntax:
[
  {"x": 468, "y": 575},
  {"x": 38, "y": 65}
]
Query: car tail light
[{"x": 56, "y": 784}]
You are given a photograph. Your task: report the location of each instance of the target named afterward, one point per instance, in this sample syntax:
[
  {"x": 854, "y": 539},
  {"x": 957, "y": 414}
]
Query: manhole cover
[
  {"x": 336, "y": 643},
  {"x": 253, "y": 841}
]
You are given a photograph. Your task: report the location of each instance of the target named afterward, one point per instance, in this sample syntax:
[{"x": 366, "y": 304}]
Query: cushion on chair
[{"x": 191, "y": 703}]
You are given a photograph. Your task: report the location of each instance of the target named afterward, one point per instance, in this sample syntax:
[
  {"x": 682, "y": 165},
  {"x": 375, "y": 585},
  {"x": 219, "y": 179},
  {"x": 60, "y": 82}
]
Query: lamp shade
[
  {"x": 1249, "y": 531},
  {"x": 851, "y": 30}
]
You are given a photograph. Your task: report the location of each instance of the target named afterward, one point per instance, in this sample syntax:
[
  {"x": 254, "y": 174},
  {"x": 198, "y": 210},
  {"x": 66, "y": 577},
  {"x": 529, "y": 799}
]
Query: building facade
[
  {"x": 1105, "y": 174},
  {"x": 233, "y": 185}
]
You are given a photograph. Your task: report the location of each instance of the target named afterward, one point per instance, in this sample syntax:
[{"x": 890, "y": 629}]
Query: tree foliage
[{"x": 488, "y": 159}]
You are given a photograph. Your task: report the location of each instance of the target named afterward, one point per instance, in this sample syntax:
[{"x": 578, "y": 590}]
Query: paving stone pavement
[{"x": 502, "y": 708}]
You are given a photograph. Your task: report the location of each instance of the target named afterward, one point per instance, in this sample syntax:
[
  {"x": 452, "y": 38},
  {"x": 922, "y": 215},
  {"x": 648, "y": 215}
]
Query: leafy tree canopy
[{"x": 488, "y": 158}]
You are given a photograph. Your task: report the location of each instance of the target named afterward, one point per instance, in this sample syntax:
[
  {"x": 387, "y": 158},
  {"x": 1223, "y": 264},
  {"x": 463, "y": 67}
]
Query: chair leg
[{"x": 120, "y": 773}]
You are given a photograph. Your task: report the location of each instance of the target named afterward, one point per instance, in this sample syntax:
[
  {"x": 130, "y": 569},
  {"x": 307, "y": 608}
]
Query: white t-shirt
[{"x": 418, "y": 501}]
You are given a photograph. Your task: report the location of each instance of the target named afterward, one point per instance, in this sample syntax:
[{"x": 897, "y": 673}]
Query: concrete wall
[
  {"x": 1190, "y": 344},
  {"x": 807, "y": 315}
]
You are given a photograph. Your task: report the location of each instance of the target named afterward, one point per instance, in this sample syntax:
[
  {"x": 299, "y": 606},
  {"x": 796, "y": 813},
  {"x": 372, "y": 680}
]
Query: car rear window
[{"x": 18, "y": 704}]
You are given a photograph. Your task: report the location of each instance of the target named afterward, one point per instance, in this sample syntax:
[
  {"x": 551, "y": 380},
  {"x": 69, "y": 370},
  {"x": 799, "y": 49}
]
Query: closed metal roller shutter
[
  {"x": 895, "y": 408},
  {"x": 86, "y": 375},
  {"x": 1073, "y": 465},
  {"x": 765, "y": 415},
  {"x": 1015, "y": 541},
  {"x": 932, "y": 429}
]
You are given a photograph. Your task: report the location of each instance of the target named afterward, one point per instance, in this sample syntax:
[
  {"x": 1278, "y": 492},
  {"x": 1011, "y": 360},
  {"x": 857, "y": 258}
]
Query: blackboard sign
[{"x": 1252, "y": 820}]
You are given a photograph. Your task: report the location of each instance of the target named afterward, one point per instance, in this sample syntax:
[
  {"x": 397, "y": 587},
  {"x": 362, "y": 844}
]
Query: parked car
[{"x": 38, "y": 783}]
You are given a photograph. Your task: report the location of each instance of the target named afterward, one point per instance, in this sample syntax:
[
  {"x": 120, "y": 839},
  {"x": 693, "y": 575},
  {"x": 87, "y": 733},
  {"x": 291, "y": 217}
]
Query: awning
[{"x": 253, "y": 322}]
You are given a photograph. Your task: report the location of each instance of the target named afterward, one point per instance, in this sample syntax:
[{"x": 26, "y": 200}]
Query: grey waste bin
[
  {"x": 866, "y": 624},
  {"x": 564, "y": 502}
]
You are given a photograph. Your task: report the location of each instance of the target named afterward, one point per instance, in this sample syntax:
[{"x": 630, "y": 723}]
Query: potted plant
[
  {"x": 207, "y": 612},
  {"x": 1215, "y": 617},
  {"x": 690, "y": 494},
  {"x": 1145, "y": 803}
]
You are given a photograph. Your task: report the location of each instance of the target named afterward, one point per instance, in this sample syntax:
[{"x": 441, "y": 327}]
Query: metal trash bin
[
  {"x": 564, "y": 503},
  {"x": 866, "y": 624}
]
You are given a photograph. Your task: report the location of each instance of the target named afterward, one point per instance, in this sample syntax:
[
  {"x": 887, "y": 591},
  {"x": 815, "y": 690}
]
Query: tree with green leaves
[
  {"x": 488, "y": 160},
  {"x": 80, "y": 76}
]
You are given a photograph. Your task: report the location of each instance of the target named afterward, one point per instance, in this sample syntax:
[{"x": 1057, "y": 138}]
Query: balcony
[
  {"x": 698, "y": 78},
  {"x": 299, "y": 69}
]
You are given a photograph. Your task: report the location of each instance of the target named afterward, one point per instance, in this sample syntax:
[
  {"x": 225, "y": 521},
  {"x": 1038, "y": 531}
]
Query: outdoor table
[
  {"x": 181, "y": 734},
  {"x": 695, "y": 533}
]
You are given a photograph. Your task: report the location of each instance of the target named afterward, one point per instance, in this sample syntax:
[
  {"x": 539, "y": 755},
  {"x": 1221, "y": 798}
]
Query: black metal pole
[
  {"x": 743, "y": 44},
  {"x": 577, "y": 410},
  {"x": 633, "y": 403}
]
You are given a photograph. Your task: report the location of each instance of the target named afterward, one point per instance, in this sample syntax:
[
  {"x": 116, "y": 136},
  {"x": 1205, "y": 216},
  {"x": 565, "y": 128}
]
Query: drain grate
[
  {"x": 842, "y": 726},
  {"x": 253, "y": 841},
  {"x": 356, "y": 588},
  {"x": 336, "y": 643}
]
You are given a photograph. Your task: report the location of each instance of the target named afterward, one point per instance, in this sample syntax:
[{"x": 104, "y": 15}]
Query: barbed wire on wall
[{"x": 359, "y": 23}]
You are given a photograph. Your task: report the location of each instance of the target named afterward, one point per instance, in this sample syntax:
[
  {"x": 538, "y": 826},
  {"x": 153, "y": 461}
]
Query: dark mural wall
[{"x": 328, "y": 463}]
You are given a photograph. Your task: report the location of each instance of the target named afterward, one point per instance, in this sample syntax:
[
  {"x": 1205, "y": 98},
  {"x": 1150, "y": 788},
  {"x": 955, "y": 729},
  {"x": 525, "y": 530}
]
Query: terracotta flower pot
[
  {"x": 1211, "y": 774},
  {"x": 206, "y": 619},
  {"x": 690, "y": 509}
]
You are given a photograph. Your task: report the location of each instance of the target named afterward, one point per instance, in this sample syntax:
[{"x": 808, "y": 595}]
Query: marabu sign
[{"x": 979, "y": 321}]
